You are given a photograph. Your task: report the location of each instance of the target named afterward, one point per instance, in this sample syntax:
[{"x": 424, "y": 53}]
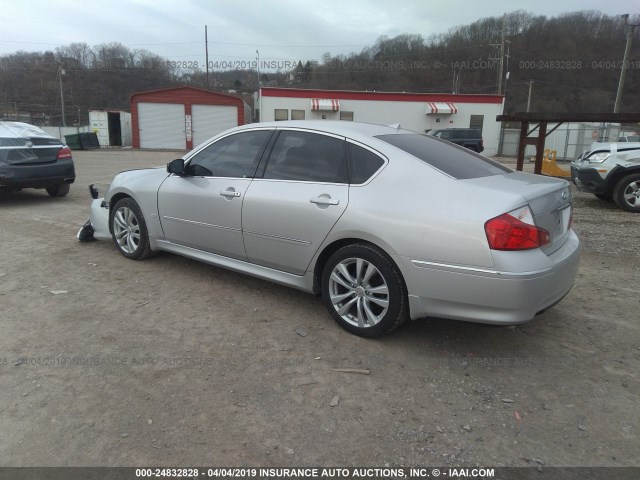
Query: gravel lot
[{"x": 174, "y": 363}]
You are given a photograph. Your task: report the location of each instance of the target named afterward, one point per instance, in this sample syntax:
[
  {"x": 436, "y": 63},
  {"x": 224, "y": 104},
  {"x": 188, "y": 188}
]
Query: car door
[
  {"x": 203, "y": 208},
  {"x": 292, "y": 206}
]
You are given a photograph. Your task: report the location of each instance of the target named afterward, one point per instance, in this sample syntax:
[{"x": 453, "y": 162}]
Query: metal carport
[{"x": 542, "y": 121}]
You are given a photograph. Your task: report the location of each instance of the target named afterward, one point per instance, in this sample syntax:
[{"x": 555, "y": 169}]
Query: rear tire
[
  {"x": 626, "y": 194},
  {"x": 129, "y": 230},
  {"x": 59, "y": 190},
  {"x": 364, "y": 291}
]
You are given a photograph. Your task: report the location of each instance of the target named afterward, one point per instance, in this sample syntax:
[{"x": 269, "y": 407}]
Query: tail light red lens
[
  {"x": 64, "y": 152},
  {"x": 515, "y": 230}
]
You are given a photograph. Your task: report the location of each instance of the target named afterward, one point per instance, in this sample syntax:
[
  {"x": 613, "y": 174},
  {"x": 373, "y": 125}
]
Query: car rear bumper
[
  {"x": 37, "y": 175},
  {"x": 489, "y": 296}
]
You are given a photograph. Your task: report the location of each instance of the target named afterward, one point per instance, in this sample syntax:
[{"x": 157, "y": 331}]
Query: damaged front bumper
[{"x": 97, "y": 227}]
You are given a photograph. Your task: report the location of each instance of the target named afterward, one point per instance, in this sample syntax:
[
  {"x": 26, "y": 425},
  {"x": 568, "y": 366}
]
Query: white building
[{"x": 419, "y": 112}]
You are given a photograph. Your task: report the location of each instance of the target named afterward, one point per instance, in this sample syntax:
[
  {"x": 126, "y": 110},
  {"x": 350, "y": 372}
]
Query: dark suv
[
  {"x": 470, "y": 138},
  {"x": 31, "y": 158}
]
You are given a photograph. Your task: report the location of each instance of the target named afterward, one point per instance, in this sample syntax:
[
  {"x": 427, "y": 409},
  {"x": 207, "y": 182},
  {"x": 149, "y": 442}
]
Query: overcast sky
[{"x": 280, "y": 29}]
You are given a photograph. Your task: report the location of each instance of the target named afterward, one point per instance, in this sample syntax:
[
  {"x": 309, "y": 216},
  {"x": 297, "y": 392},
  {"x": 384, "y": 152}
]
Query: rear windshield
[{"x": 458, "y": 162}]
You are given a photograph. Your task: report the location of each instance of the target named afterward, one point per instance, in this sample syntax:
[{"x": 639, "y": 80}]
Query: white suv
[{"x": 611, "y": 171}]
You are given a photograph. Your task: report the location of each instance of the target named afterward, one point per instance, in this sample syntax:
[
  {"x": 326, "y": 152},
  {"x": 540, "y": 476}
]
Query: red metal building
[{"x": 183, "y": 117}]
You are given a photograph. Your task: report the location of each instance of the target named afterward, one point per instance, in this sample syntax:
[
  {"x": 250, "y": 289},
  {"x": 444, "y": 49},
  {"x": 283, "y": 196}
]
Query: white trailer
[{"x": 113, "y": 128}]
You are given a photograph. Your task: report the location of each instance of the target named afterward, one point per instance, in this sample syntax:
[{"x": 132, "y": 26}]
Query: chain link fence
[{"x": 569, "y": 140}]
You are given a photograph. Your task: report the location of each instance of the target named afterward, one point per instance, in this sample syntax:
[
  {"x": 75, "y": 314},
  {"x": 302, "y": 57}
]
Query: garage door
[
  {"x": 161, "y": 125},
  {"x": 209, "y": 120}
]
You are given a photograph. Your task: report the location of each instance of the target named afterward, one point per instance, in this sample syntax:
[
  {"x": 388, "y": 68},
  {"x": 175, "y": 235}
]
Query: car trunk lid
[
  {"x": 34, "y": 150},
  {"x": 549, "y": 199}
]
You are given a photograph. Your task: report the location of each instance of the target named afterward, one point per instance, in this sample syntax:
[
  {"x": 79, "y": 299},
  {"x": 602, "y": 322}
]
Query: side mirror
[{"x": 176, "y": 166}]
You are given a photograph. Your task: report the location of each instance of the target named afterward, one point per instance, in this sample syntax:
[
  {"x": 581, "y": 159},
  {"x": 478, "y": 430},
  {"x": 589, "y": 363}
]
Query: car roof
[
  {"x": 21, "y": 130},
  {"x": 613, "y": 146},
  {"x": 352, "y": 130}
]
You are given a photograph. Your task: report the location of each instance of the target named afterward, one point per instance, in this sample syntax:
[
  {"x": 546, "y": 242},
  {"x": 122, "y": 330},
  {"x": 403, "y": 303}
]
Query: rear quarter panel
[{"x": 412, "y": 210}]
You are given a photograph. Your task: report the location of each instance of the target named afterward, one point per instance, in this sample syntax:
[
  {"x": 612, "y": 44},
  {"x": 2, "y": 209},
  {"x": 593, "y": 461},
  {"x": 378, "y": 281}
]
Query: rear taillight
[
  {"x": 515, "y": 230},
  {"x": 64, "y": 152}
]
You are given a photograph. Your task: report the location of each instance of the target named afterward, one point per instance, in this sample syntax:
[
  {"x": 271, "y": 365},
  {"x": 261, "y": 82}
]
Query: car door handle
[
  {"x": 229, "y": 193},
  {"x": 324, "y": 201}
]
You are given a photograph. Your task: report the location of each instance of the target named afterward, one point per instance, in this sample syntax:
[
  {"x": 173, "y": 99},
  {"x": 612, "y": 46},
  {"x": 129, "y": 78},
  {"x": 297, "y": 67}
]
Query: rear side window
[
  {"x": 307, "y": 157},
  {"x": 457, "y": 162},
  {"x": 363, "y": 165}
]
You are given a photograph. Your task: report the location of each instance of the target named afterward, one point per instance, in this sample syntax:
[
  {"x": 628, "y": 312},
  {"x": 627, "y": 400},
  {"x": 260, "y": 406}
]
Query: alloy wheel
[
  {"x": 126, "y": 229},
  {"x": 358, "y": 292}
]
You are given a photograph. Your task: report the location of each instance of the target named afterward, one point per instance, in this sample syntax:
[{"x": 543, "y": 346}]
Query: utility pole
[
  {"x": 500, "y": 57},
  {"x": 206, "y": 54},
  {"x": 530, "y": 83},
  {"x": 501, "y": 69},
  {"x": 456, "y": 80},
  {"x": 60, "y": 73},
  {"x": 258, "y": 68},
  {"x": 629, "y": 29}
]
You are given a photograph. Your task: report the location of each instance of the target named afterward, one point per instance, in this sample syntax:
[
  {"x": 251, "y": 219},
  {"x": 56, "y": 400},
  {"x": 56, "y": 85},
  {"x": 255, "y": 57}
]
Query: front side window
[
  {"x": 309, "y": 157},
  {"x": 233, "y": 156}
]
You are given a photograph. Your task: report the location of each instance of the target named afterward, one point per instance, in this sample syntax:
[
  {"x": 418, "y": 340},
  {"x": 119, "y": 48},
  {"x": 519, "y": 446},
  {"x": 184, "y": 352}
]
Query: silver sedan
[{"x": 386, "y": 224}]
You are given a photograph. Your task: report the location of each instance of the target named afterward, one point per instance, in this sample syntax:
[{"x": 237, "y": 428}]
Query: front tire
[
  {"x": 129, "y": 230},
  {"x": 626, "y": 194},
  {"x": 364, "y": 291},
  {"x": 58, "y": 190}
]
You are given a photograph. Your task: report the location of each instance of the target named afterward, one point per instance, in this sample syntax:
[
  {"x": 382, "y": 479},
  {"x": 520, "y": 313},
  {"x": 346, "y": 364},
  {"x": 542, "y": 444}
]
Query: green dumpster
[
  {"x": 73, "y": 141},
  {"x": 82, "y": 141}
]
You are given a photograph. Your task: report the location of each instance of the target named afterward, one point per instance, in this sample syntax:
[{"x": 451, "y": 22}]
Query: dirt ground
[{"x": 168, "y": 362}]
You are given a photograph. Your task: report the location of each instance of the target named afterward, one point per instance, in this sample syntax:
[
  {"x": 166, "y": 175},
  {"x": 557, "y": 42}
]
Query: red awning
[
  {"x": 325, "y": 104},
  {"x": 441, "y": 108}
]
